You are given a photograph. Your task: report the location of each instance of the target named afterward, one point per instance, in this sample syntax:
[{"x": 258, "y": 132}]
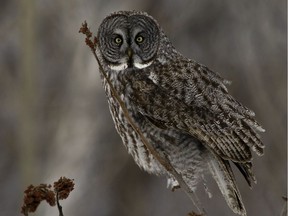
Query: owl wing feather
[{"x": 188, "y": 96}]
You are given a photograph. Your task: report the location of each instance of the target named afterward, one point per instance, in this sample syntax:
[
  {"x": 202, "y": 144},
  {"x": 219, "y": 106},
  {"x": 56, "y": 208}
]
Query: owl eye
[
  {"x": 139, "y": 39},
  {"x": 118, "y": 40}
]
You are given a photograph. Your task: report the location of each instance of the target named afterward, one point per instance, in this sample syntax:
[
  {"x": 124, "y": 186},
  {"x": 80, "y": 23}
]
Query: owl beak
[
  {"x": 129, "y": 52},
  {"x": 130, "y": 58}
]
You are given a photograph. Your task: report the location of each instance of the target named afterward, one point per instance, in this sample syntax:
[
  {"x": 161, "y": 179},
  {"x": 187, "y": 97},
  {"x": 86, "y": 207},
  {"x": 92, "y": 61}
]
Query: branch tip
[{"x": 86, "y": 31}]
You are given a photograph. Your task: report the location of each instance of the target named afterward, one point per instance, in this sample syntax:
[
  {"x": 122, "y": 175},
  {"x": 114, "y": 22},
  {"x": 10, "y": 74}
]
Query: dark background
[{"x": 54, "y": 118}]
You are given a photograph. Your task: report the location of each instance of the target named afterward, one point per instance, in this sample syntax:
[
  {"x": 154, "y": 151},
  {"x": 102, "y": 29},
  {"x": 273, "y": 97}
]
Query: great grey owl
[{"x": 182, "y": 108}]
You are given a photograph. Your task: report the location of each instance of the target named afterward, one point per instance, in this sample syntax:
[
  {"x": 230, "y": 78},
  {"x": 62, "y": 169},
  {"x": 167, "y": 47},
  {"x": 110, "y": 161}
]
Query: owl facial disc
[{"x": 128, "y": 41}]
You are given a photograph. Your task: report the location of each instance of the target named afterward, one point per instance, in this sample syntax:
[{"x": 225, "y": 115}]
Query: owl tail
[{"x": 223, "y": 175}]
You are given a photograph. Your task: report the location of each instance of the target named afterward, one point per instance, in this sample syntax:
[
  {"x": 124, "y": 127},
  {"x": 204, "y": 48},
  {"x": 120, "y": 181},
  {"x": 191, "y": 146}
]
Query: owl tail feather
[{"x": 223, "y": 175}]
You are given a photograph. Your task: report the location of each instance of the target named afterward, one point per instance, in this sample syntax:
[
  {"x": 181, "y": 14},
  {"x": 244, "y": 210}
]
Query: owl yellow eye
[
  {"x": 139, "y": 39},
  {"x": 118, "y": 40}
]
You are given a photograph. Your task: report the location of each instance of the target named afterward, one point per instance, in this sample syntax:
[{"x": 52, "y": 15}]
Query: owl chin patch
[{"x": 123, "y": 66}]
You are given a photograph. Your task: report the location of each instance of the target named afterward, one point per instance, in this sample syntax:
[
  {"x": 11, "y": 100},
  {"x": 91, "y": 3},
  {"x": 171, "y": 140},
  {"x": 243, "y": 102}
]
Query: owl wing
[{"x": 188, "y": 96}]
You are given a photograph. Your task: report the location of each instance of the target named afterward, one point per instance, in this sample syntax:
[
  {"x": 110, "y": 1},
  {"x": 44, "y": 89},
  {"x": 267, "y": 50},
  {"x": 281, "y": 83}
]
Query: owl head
[{"x": 128, "y": 39}]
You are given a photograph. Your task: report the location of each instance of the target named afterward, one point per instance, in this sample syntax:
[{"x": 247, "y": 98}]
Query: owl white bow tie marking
[{"x": 123, "y": 66}]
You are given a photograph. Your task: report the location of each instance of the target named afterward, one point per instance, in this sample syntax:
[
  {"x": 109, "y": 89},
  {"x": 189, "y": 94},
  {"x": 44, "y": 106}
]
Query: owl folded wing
[{"x": 198, "y": 103}]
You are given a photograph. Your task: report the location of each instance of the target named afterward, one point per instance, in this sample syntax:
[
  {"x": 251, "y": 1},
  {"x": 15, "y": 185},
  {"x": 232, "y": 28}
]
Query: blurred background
[{"x": 54, "y": 118}]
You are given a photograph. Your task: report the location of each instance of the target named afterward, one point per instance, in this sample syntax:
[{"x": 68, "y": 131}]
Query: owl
[{"x": 182, "y": 108}]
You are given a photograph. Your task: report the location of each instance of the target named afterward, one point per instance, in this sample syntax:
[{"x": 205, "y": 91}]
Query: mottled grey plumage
[{"x": 182, "y": 108}]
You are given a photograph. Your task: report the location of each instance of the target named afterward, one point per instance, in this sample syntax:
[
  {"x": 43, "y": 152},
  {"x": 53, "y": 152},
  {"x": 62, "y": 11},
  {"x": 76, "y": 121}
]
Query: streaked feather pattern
[{"x": 182, "y": 108}]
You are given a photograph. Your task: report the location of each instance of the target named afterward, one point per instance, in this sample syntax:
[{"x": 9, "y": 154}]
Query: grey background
[{"x": 54, "y": 118}]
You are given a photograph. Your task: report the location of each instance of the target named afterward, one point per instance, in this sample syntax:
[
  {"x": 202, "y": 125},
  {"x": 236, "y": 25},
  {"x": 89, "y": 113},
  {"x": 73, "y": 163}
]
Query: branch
[{"x": 58, "y": 205}]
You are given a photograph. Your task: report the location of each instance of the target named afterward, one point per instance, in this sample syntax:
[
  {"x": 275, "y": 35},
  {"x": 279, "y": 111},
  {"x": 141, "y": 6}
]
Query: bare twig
[
  {"x": 58, "y": 205},
  {"x": 284, "y": 208}
]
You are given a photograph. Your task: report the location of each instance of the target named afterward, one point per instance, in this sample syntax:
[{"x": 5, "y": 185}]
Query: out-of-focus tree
[{"x": 54, "y": 118}]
